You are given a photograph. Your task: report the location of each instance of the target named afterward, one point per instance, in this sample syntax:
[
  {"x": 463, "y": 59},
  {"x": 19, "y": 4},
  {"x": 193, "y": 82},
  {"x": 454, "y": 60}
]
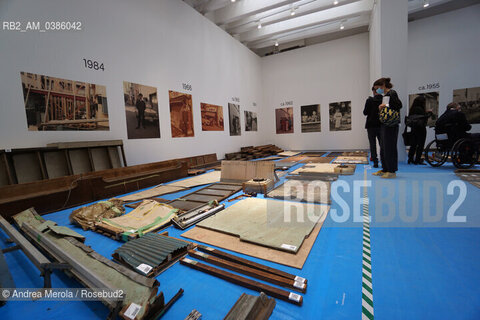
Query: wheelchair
[{"x": 463, "y": 152}]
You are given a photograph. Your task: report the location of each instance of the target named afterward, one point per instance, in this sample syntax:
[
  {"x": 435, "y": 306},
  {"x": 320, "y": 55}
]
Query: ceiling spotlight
[
  {"x": 259, "y": 25},
  {"x": 292, "y": 11},
  {"x": 342, "y": 26},
  {"x": 276, "y": 43},
  {"x": 425, "y": 3},
  {"x": 335, "y": 2},
  {"x": 232, "y": 0}
]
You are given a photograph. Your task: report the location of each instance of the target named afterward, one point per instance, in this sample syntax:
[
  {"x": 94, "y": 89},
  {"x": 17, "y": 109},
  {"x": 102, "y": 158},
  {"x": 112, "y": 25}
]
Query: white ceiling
[{"x": 297, "y": 23}]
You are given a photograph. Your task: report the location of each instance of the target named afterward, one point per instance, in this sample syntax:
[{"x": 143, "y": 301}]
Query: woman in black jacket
[
  {"x": 388, "y": 132},
  {"x": 373, "y": 124},
  {"x": 418, "y": 116}
]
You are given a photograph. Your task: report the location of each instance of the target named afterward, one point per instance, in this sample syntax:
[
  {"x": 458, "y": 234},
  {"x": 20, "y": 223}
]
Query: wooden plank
[
  {"x": 85, "y": 144},
  {"x": 80, "y": 161},
  {"x": 201, "y": 197},
  {"x": 185, "y": 205},
  {"x": 249, "y": 263},
  {"x": 240, "y": 171},
  {"x": 10, "y": 176},
  {"x": 252, "y": 272},
  {"x": 214, "y": 192},
  {"x": 4, "y": 179},
  {"x": 206, "y": 178},
  {"x": 27, "y": 167},
  {"x": 244, "y": 282},
  {"x": 100, "y": 158},
  {"x": 114, "y": 157},
  {"x": 56, "y": 164}
]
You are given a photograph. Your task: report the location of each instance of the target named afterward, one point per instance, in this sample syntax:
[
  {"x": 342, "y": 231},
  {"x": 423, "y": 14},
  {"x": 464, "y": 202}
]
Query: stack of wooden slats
[{"x": 250, "y": 152}]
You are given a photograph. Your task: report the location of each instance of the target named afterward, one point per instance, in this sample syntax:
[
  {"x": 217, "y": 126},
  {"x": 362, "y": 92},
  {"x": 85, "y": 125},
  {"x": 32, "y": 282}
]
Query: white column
[{"x": 388, "y": 51}]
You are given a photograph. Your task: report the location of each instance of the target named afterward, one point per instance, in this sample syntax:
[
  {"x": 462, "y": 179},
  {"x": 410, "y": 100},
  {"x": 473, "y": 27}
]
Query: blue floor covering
[{"x": 428, "y": 268}]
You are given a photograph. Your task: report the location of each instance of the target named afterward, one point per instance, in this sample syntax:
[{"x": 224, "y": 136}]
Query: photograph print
[
  {"x": 250, "y": 121},
  {"x": 55, "y": 104},
  {"x": 141, "y": 111},
  {"x": 340, "y": 116},
  {"x": 181, "y": 114},
  {"x": 284, "y": 120},
  {"x": 311, "y": 118},
  {"x": 431, "y": 103},
  {"x": 234, "y": 119},
  {"x": 469, "y": 100},
  {"x": 212, "y": 117}
]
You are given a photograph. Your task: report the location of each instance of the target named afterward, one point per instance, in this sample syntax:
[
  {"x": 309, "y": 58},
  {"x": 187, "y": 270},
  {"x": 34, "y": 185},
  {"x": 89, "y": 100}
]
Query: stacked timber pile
[{"x": 250, "y": 152}]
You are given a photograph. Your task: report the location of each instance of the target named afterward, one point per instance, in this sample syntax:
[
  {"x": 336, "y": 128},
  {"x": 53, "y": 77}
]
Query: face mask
[{"x": 380, "y": 91}]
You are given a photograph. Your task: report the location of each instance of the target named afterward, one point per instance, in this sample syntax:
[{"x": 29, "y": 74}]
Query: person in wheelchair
[{"x": 454, "y": 123}]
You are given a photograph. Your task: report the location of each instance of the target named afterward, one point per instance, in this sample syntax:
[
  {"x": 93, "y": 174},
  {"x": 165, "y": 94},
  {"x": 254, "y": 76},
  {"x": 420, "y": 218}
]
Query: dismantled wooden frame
[{"x": 139, "y": 291}]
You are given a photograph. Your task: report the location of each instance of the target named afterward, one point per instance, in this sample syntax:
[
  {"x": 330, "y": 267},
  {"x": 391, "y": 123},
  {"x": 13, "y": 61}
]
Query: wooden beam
[
  {"x": 245, "y": 282},
  {"x": 252, "y": 272},
  {"x": 249, "y": 263}
]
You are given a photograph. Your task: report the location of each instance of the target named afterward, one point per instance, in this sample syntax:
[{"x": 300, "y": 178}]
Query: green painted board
[{"x": 281, "y": 225}]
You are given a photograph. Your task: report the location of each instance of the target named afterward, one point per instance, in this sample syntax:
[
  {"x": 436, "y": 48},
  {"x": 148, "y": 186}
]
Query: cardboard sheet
[
  {"x": 150, "y": 193},
  {"x": 282, "y": 225},
  {"x": 233, "y": 243},
  {"x": 200, "y": 180}
]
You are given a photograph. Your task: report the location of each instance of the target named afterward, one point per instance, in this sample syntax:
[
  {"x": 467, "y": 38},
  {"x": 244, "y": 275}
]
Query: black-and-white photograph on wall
[
  {"x": 469, "y": 99},
  {"x": 340, "y": 116},
  {"x": 234, "y": 119},
  {"x": 431, "y": 104},
  {"x": 250, "y": 121},
  {"x": 311, "y": 118}
]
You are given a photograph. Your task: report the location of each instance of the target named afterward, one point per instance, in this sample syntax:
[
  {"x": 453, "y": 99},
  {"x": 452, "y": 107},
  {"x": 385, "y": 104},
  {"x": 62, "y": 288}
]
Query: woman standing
[
  {"x": 418, "y": 117},
  {"x": 390, "y": 119}
]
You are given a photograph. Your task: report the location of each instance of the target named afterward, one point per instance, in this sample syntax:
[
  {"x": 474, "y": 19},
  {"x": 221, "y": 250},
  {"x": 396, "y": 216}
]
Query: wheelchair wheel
[
  {"x": 435, "y": 154},
  {"x": 464, "y": 154}
]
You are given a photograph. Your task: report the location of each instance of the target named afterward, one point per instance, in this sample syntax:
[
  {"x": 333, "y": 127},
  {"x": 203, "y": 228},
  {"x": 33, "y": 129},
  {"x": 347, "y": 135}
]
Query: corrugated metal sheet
[{"x": 153, "y": 250}]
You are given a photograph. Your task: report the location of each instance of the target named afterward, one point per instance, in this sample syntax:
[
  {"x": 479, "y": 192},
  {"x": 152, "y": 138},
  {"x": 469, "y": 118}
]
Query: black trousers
[
  {"x": 388, "y": 149},
  {"x": 141, "y": 119},
  {"x": 373, "y": 136},
  {"x": 416, "y": 149}
]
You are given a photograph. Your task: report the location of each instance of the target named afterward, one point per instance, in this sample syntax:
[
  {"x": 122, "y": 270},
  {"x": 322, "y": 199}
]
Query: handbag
[
  {"x": 415, "y": 121},
  {"x": 407, "y": 137},
  {"x": 389, "y": 117}
]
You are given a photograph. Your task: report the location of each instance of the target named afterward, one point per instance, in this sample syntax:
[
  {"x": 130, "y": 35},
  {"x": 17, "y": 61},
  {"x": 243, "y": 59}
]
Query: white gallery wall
[
  {"x": 445, "y": 49},
  {"x": 159, "y": 43},
  {"x": 329, "y": 72}
]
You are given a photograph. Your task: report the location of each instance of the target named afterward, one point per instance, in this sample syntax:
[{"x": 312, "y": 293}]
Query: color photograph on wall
[
  {"x": 469, "y": 99},
  {"x": 212, "y": 117},
  {"x": 311, "y": 118},
  {"x": 55, "y": 104},
  {"x": 181, "y": 114},
  {"x": 284, "y": 120},
  {"x": 141, "y": 111},
  {"x": 431, "y": 103},
  {"x": 340, "y": 116},
  {"x": 250, "y": 121},
  {"x": 234, "y": 119}
]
